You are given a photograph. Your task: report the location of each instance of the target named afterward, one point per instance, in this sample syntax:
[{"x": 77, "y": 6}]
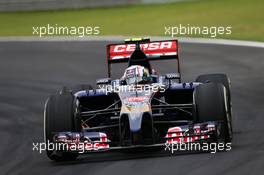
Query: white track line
[{"x": 120, "y": 38}]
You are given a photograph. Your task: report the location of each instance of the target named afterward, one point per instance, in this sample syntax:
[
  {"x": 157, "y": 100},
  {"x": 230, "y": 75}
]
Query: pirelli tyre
[
  {"x": 210, "y": 101},
  {"x": 59, "y": 117},
  {"x": 218, "y": 78},
  {"x": 223, "y": 79}
]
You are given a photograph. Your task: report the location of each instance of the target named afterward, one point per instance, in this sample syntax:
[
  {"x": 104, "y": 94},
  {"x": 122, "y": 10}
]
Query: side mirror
[
  {"x": 103, "y": 81},
  {"x": 172, "y": 76}
]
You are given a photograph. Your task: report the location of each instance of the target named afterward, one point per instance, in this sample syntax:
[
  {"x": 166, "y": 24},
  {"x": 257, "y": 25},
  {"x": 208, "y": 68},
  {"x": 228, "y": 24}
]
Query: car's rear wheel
[
  {"x": 59, "y": 117},
  {"x": 210, "y": 101}
]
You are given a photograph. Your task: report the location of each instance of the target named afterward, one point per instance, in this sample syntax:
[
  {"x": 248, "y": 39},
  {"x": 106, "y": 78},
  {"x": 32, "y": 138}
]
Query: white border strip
[{"x": 120, "y": 38}]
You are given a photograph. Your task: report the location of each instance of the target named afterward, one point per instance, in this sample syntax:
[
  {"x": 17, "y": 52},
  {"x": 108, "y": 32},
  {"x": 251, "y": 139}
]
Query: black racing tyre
[
  {"x": 59, "y": 117},
  {"x": 217, "y": 78},
  {"x": 223, "y": 79},
  {"x": 210, "y": 103}
]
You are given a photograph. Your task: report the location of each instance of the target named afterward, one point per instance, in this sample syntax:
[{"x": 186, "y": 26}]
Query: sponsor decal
[
  {"x": 177, "y": 135},
  {"x": 137, "y": 99},
  {"x": 144, "y": 47},
  {"x": 158, "y": 48}
]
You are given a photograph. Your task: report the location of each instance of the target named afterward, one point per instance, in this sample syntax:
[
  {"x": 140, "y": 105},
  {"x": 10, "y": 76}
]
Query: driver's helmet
[{"x": 136, "y": 75}]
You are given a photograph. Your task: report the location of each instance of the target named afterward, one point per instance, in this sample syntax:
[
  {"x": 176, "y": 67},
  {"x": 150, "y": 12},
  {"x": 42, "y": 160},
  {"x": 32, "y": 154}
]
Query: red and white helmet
[{"x": 136, "y": 74}]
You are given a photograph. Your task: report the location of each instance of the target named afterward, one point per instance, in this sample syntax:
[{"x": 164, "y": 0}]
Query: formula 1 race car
[{"x": 141, "y": 109}]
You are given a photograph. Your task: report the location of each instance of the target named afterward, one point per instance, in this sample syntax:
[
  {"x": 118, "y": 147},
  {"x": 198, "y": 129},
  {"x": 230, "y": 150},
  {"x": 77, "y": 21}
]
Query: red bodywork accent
[
  {"x": 157, "y": 48},
  {"x": 175, "y": 135}
]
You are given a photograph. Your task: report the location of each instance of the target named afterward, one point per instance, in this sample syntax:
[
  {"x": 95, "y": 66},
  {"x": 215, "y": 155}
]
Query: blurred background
[
  {"x": 135, "y": 17},
  {"x": 30, "y": 5}
]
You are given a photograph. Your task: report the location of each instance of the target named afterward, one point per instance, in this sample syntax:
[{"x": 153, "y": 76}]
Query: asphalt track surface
[{"x": 30, "y": 71}]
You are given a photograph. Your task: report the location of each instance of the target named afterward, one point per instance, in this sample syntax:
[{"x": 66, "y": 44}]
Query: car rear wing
[{"x": 155, "y": 50}]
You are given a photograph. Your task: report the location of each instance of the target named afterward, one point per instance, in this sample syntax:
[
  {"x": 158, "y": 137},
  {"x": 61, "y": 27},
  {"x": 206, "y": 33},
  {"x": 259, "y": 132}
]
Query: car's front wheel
[
  {"x": 59, "y": 117},
  {"x": 210, "y": 101}
]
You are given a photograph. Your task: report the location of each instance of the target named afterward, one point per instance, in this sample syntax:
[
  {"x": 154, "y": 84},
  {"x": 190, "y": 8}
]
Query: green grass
[{"x": 245, "y": 16}]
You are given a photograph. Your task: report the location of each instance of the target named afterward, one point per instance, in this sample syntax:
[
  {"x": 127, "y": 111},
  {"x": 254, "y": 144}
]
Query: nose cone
[{"x": 135, "y": 121}]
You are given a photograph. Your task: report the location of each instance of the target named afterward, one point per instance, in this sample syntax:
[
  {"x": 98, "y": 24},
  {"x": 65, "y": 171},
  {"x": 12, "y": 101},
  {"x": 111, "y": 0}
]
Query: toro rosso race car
[{"x": 140, "y": 109}]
